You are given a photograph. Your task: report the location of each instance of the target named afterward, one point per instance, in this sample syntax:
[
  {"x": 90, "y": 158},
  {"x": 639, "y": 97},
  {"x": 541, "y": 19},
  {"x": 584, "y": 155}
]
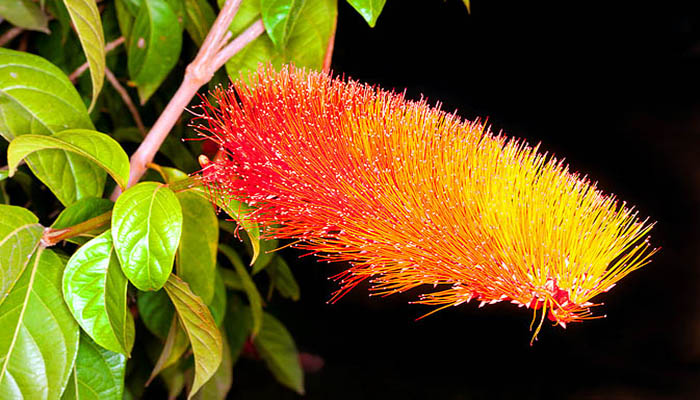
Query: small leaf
[
  {"x": 306, "y": 45},
  {"x": 238, "y": 211},
  {"x": 231, "y": 279},
  {"x": 20, "y": 233},
  {"x": 146, "y": 228},
  {"x": 276, "y": 347},
  {"x": 369, "y": 9},
  {"x": 201, "y": 329},
  {"x": 154, "y": 46},
  {"x": 25, "y": 14},
  {"x": 468, "y": 4},
  {"x": 94, "y": 287},
  {"x": 88, "y": 26},
  {"x": 97, "y": 147},
  {"x": 39, "y": 338},
  {"x": 217, "y": 305},
  {"x": 97, "y": 374},
  {"x": 156, "y": 311},
  {"x": 196, "y": 256},
  {"x": 251, "y": 290},
  {"x": 283, "y": 279},
  {"x": 3, "y": 174},
  {"x": 175, "y": 345},
  {"x": 218, "y": 386},
  {"x": 199, "y": 17},
  {"x": 267, "y": 248},
  {"x": 81, "y": 211},
  {"x": 279, "y": 18}
]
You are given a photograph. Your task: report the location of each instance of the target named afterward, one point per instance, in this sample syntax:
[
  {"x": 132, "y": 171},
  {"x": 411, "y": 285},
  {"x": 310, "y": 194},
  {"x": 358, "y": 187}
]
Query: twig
[
  {"x": 9, "y": 35},
  {"x": 329, "y": 49},
  {"x": 211, "y": 56},
  {"x": 108, "y": 47},
  {"x": 127, "y": 100}
]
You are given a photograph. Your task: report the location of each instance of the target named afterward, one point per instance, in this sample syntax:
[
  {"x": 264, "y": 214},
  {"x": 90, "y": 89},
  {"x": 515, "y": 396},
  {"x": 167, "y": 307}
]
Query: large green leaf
[
  {"x": 94, "y": 287},
  {"x": 201, "y": 329},
  {"x": 88, "y": 26},
  {"x": 279, "y": 18},
  {"x": 218, "y": 386},
  {"x": 20, "y": 233},
  {"x": 307, "y": 42},
  {"x": 125, "y": 20},
  {"x": 277, "y": 348},
  {"x": 146, "y": 228},
  {"x": 217, "y": 305},
  {"x": 37, "y": 98},
  {"x": 38, "y": 338},
  {"x": 238, "y": 324},
  {"x": 369, "y": 9},
  {"x": 154, "y": 46},
  {"x": 251, "y": 290},
  {"x": 156, "y": 311},
  {"x": 196, "y": 256},
  {"x": 98, "y": 374},
  {"x": 199, "y": 17},
  {"x": 282, "y": 278},
  {"x": 25, "y": 14},
  {"x": 239, "y": 211},
  {"x": 97, "y": 147}
]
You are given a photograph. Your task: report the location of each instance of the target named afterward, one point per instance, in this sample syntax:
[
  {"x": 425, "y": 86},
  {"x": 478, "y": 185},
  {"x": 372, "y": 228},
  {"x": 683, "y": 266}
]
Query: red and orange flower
[{"x": 412, "y": 196}]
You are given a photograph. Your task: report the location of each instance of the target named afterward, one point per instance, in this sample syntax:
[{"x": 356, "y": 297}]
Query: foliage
[{"x": 157, "y": 256}]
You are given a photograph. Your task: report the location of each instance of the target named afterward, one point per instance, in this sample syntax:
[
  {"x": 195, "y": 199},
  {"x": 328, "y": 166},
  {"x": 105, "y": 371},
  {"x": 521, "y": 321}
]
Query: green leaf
[
  {"x": 199, "y": 17},
  {"x": 276, "y": 347},
  {"x": 81, "y": 211},
  {"x": 37, "y": 97},
  {"x": 231, "y": 279},
  {"x": 25, "y": 14},
  {"x": 146, "y": 228},
  {"x": 133, "y": 6},
  {"x": 175, "y": 345},
  {"x": 239, "y": 212},
  {"x": 154, "y": 46},
  {"x": 238, "y": 324},
  {"x": 39, "y": 338},
  {"x": 97, "y": 147},
  {"x": 279, "y": 18},
  {"x": 306, "y": 45},
  {"x": 3, "y": 174},
  {"x": 217, "y": 305},
  {"x": 156, "y": 312},
  {"x": 201, "y": 329},
  {"x": 267, "y": 248},
  {"x": 283, "y": 279},
  {"x": 97, "y": 374},
  {"x": 196, "y": 256},
  {"x": 251, "y": 290},
  {"x": 125, "y": 20},
  {"x": 369, "y": 9},
  {"x": 88, "y": 26},
  {"x": 94, "y": 287},
  {"x": 20, "y": 233},
  {"x": 218, "y": 386}
]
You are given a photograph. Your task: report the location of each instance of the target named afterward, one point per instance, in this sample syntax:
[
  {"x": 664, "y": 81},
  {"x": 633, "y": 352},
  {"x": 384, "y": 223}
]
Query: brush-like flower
[{"x": 412, "y": 196}]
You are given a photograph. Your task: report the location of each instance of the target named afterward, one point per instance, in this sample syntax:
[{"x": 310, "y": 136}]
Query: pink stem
[{"x": 212, "y": 55}]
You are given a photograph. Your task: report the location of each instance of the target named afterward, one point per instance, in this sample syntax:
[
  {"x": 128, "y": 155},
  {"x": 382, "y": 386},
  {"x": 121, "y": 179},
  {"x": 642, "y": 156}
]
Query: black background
[{"x": 613, "y": 87}]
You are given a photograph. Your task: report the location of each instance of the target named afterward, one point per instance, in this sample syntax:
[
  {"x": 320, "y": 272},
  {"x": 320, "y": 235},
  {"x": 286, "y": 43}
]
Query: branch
[
  {"x": 127, "y": 100},
  {"x": 108, "y": 47},
  {"x": 211, "y": 56},
  {"x": 9, "y": 35}
]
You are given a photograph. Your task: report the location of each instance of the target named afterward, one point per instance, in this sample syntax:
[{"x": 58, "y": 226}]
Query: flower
[{"x": 414, "y": 197}]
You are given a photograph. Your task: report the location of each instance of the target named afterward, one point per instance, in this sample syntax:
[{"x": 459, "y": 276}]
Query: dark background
[{"x": 613, "y": 87}]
